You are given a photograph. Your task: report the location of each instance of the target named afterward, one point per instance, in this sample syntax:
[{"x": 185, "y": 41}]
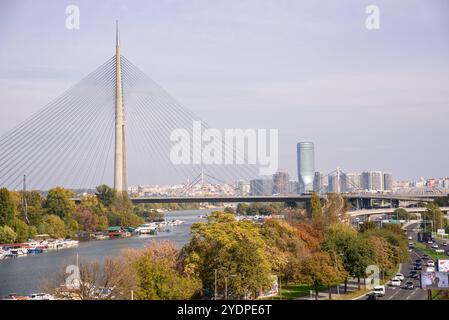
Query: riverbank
[{"x": 25, "y": 275}]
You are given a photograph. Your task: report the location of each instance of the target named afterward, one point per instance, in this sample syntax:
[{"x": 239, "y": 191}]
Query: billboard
[
  {"x": 443, "y": 265},
  {"x": 441, "y": 232},
  {"x": 435, "y": 280}
]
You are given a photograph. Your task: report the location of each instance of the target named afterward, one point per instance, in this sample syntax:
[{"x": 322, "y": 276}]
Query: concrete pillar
[{"x": 120, "y": 176}]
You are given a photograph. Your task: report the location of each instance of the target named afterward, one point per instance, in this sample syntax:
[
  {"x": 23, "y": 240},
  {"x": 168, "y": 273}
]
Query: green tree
[
  {"x": 316, "y": 211},
  {"x": 7, "y": 235},
  {"x": 58, "y": 202},
  {"x": 53, "y": 225},
  {"x": 22, "y": 230},
  {"x": 7, "y": 207},
  {"x": 224, "y": 248},
  {"x": 434, "y": 215},
  {"x": 106, "y": 195},
  {"x": 356, "y": 253},
  {"x": 158, "y": 275}
]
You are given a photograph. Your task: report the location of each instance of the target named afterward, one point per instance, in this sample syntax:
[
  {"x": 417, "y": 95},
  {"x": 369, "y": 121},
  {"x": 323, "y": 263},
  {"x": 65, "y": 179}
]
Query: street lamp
[{"x": 226, "y": 284}]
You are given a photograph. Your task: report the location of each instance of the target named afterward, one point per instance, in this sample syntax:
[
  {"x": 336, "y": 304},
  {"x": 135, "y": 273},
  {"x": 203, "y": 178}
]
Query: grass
[
  {"x": 431, "y": 252},
  {"x": 294, "y": 291}
]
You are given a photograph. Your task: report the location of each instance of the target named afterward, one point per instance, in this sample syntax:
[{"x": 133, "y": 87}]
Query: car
[
  {"x": 418, "y": 267},
  {"x": 425, "y": 257},
  {"x": 447, "y": 253},
  {"x": 430, "y": 269},
  {"x": 400, "y": 276},
  {"x": 430, "y": 263},
  {"x": 371, "y": 296},
  {"x": 418, "y": 261},
  {"x": 430, "y": 242},
  {"x": 395, "y": 282},
  {"x": 411, "y": 245},
  {"x": 410, "y": 250},
  {"x": 409, "y": 285},
  {"x": 444, "y": 244},
  {"x": 379, "y": 291},
  {"x": 410, "y": 238},
  {"x": 414, "y": 274},
  {"x": 435, "y": 246}
]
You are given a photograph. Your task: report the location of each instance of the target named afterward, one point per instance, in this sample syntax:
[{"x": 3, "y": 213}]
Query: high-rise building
[
  {"x": 281, "y": 183},
  {"x": 293, "y": 187},
  {"x": 372, "y": 181},
  {"x": 243, "y": 187},
  {"x": 337, "y": 182},
  {"x": 306, "y": 166},
  {"x": 318, "y": 182},
  {"x": 353, "y": 182},
  {"x": 388, "y": 181},
  {"x": 261, "y": 187}
]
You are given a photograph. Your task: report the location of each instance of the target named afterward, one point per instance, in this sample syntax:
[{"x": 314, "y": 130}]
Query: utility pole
[{"x": 215, "y": 295}]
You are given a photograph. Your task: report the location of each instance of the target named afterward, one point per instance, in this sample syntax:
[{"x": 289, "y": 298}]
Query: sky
[{"x": 368, "y": 99}]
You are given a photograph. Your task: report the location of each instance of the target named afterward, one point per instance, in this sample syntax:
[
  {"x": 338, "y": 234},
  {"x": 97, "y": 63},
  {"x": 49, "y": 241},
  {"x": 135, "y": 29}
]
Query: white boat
[
  {"x": 145, "y": 228},
  {"x": 41, "y": 296}
]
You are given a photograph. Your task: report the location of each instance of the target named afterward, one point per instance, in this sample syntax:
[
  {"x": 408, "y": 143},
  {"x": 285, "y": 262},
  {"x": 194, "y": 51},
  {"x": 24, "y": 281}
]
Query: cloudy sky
[{"x": 369, "y": 99}]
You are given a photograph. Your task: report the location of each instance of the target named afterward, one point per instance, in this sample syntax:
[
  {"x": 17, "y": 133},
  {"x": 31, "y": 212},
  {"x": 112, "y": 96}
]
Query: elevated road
[
  {"x": 277, "y": 198},
  {"x": 370, "y": 212}
]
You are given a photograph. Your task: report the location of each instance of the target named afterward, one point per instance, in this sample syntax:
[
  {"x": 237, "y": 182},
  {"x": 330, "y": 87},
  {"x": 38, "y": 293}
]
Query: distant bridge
[{"x": 288, "y": 198}]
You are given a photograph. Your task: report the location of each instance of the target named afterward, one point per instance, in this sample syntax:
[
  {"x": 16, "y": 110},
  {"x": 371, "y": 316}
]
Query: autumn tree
[
  {"x": 320, "y": 269},
  {"x": 285, "y": 248}
]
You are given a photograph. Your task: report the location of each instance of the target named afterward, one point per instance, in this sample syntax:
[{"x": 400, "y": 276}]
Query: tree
[
  {"x": 58, "y": 203},
  {"x": 319, "y": 269},
  {"x": 285, "y": 248},
  {"x": 93, "y": 280},
  {"x": 355, "y": 252},
  {"x": 106, "y": 195},
  {"x": 158, "y": 274},
  {"x": 335, "y": 208},
  {"x": 383, "y": 252},
  {"x": 229, "y": 210},
  {"x": 53, "y": 225},
  {"x": 224, "y": 249},
  {"x": 7, "y": 207},
  {"x": 22, "y": 230},
  {"x": 7, "y": 235},
  {"x": 434, "y": 215},
  {"x": 316, "y": 212}
]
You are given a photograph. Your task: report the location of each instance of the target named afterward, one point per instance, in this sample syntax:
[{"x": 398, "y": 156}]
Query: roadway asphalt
[{"x": 400, "y": 293}]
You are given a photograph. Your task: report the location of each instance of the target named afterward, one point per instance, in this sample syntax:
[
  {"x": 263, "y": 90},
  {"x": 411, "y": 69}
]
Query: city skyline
[{"x": 356, "y": 90}]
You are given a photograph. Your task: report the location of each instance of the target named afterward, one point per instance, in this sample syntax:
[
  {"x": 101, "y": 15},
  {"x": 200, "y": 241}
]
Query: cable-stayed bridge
[{"x": 113, "y": 125}]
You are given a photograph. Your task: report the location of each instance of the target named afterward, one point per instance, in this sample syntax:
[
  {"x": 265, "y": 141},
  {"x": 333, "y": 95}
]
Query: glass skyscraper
[{"x": 306, "y": 166}]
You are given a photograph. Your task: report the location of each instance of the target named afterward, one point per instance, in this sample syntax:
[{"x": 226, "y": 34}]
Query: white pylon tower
[{"x": 120, "y": 175}]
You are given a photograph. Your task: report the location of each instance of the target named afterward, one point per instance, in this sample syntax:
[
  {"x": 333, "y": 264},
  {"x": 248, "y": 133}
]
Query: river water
[{"x": 24, "y": 275}]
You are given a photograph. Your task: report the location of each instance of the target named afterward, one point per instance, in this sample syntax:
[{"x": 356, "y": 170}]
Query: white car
[
  {"x": 379, "y": 291},
  {"x": 444, "y": 244},
  {"x": 410, "y": 238},
  {"x": 395, "y": 282},
  {"x": 430, "y": 263},
  {"x": 430, "y": 242},
  {"x": 435, "y": 246},
  {"x": 400, "y": 276},
  {"x": 430, "y": 269}
]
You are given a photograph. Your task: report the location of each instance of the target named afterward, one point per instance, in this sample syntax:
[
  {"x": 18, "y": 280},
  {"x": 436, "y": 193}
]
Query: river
[{"x": 24, "y": 275}]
